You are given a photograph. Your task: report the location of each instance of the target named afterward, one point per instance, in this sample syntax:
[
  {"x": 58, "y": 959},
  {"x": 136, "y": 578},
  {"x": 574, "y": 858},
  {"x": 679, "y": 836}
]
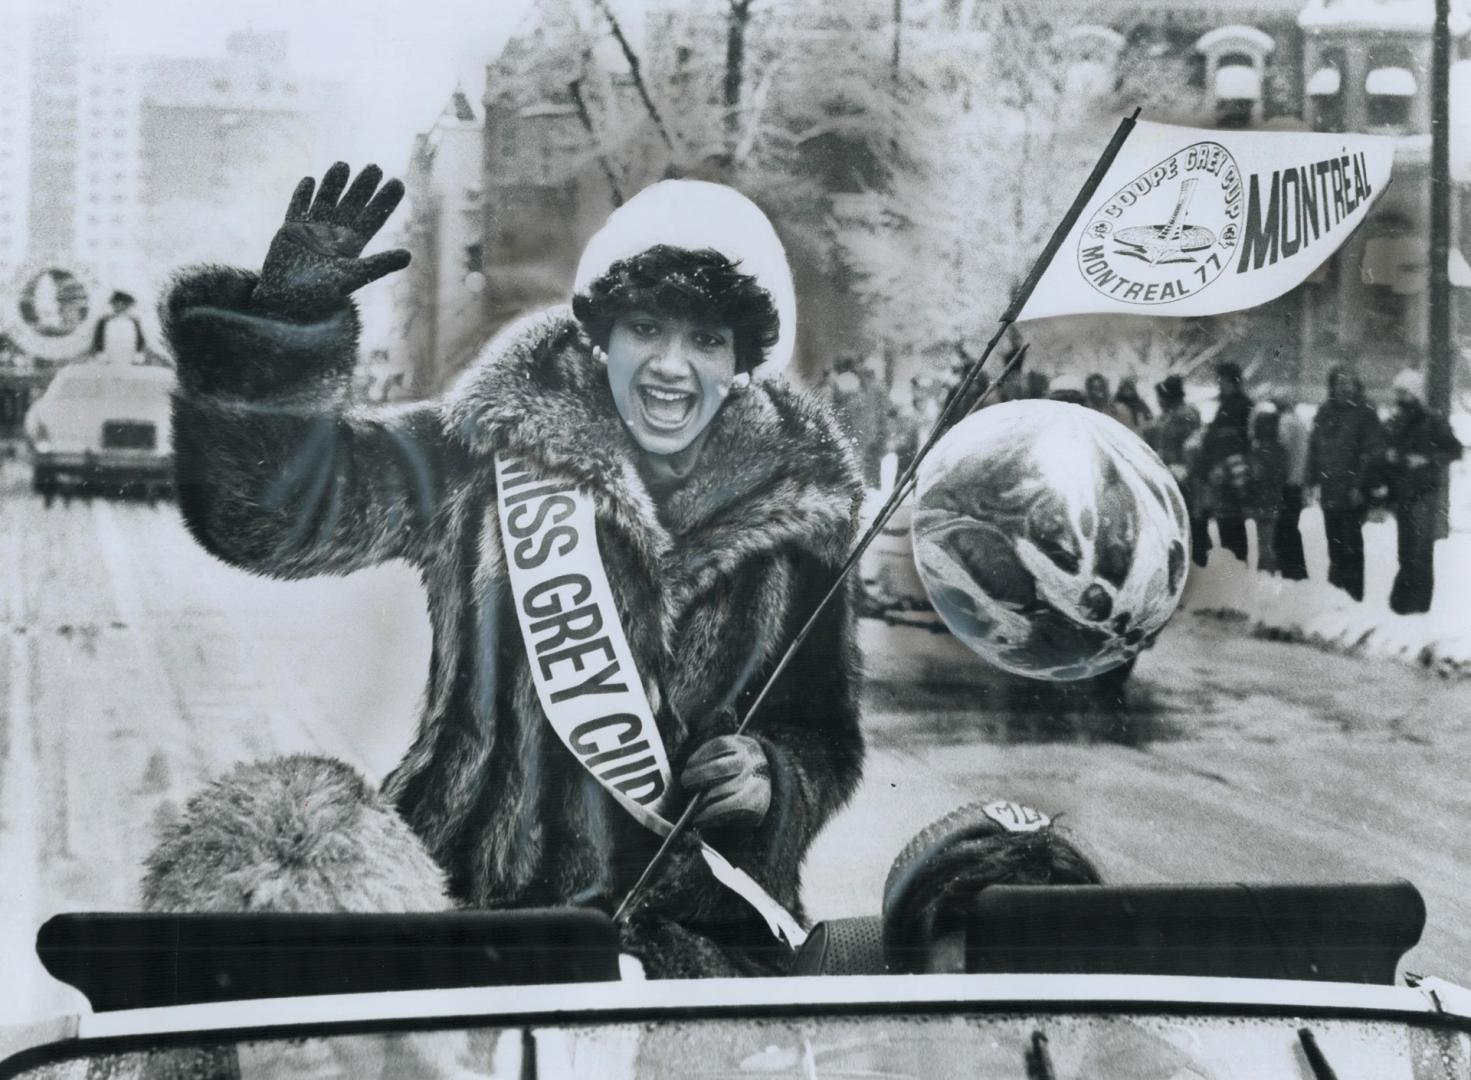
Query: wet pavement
[
  {"x": 1232, "y": 758},
  {"x": 135, "y": 666}
]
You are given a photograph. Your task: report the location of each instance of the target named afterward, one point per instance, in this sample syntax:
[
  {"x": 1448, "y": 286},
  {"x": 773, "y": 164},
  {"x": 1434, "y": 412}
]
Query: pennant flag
[{"x": 1194, "y": 222}]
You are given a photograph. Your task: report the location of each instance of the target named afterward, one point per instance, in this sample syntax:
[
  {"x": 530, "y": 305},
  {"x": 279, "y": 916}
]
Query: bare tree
[
  {"x": 635, "y": 69},
  {"x": 585, "y": 118},
  {"x": 735, "y": 61}
]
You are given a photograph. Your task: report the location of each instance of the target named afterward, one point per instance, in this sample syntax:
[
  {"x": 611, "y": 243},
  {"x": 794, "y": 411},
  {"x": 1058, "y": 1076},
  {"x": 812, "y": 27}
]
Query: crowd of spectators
[
  {"x": 1260, "y": 461},
  {"x": 1255, "y": 461}
]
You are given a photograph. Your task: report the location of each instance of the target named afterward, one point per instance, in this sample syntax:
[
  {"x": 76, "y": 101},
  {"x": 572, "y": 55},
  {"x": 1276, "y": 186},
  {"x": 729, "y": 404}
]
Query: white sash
[{"x": 581, "y": 663}]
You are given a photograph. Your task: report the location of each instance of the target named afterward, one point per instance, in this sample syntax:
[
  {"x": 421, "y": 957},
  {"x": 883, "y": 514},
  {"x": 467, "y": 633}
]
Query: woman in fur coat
[{"x": 724, "y": 504}]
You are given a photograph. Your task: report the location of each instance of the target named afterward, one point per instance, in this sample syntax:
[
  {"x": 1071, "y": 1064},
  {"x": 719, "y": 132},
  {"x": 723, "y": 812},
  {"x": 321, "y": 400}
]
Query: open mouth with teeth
[{"x": 666, "y": 409}]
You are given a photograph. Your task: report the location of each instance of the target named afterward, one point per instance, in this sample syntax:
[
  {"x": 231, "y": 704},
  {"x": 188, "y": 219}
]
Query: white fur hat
[
  {"x": 1411, "y": 381},
  {"x": 1066, "y": 383},
  {"x": 695, "y": 214}
]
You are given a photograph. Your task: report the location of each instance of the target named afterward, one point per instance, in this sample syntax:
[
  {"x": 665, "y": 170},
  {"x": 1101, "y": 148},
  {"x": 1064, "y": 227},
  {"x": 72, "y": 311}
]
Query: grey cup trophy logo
[{"x": 1170, "y": 232}]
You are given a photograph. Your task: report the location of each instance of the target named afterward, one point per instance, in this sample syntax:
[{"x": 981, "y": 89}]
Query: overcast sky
[{"x": 399, "y": 58}]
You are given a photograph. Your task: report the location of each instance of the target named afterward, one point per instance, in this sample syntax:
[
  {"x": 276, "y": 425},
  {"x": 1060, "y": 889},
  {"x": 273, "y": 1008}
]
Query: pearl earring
[
  {"x": 741, "y": 381},
  {"x": 600, "y": 355}
]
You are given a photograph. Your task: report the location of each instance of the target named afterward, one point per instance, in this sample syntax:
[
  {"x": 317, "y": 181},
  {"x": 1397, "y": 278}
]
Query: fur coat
[
  {"x": 275, "y": 477},
  {"x": 1346, "y": 441}
]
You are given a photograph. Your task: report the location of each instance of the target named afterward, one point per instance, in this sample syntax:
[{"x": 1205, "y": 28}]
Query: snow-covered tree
[{"x": 915, "y": 185}]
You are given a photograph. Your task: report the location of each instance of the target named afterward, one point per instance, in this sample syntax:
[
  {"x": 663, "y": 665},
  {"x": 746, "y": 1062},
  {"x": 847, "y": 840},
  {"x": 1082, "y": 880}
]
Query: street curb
[{"x": 1369, "y": 642}]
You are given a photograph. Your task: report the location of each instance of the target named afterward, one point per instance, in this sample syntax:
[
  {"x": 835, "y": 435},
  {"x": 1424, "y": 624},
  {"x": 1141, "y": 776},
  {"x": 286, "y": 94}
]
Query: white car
[
  {"x": 962, "y": 976},
  {"x": 103, "y": 426},
  {"x": 934, "y": 1027}
]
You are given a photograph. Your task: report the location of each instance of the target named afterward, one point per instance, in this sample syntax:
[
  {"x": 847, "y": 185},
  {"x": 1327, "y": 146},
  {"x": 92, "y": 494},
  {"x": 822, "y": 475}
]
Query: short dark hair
[
  {"x": 1229, "y": 369},
  {"x": 671, "y": 280},
  {"x": 1170, "y": 388}
]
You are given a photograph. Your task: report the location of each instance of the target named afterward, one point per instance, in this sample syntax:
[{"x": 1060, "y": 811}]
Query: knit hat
[
  {"x": 1066, "y": 383},
  {"x": 989, "y": 842},
  {"x": 1410, "y": 381},
  {"x": 695, "y": 215},
  {"x": 1171, "y": 388}
]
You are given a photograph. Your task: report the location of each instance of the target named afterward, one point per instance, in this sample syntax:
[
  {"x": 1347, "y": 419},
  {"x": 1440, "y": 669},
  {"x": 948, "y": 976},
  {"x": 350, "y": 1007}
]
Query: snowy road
[
  {"x": 135, "y": 665},
  {"x": 1240, "y": 760}
]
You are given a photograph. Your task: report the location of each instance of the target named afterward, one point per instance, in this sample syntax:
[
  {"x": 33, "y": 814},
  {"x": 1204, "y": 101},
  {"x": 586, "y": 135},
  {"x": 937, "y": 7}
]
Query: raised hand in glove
[
  {"x": 314, "y": 261},
  {"x": 732, "y": 777}
]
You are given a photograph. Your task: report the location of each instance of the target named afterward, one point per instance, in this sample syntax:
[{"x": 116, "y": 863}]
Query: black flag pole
[{"x": 902, "y": 486}]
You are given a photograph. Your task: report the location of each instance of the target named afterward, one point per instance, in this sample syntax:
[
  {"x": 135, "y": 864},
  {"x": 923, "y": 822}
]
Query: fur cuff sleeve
[
  {"x": 779, "y": 844},
  {"x": 225, "y": 347}
]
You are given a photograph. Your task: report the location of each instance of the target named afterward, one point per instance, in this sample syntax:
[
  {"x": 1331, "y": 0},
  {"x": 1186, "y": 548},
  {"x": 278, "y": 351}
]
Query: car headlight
[{"x": 40, "y": 437}]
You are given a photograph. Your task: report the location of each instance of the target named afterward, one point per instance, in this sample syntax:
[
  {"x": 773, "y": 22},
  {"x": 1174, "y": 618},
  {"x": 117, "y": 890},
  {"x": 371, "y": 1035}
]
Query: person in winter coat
[
  {"x": 1287, "y": 540},
  {"x": 1418, "y": 446},
  {"x": 297, "y": 835},
  {"x": 1268, "y": 463},
  {"x": 118, "y": 338},
  {"x": 1037, "y": 385},
  {"x": 1067, "y": 387},
  {"x": 1096, "y": 397},
  {"x": 1223, "y": 470},
  {"x": 724, "y": 503},
  {"x": 1127, "y": 399},
  {"x": 1344, "y": 444},
  {"x": 856, "y": 400},
  {"x": 1170, "y": 436},
  {"x": 973, "y": 394}
]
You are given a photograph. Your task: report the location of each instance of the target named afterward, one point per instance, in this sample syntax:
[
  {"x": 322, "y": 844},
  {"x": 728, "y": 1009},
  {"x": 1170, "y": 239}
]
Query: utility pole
[
  {"x": 1440, "y": 362},
  {"x": 1438, "y": 369},
  {"x": 898, "y": 38}
]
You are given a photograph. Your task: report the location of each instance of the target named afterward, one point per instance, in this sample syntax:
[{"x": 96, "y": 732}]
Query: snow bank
[
  {"x": 1310, "y": 611},
  {"x": 1315, "y": 612}
]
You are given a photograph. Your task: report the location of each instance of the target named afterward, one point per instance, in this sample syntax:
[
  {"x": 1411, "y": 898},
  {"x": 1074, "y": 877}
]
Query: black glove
[
  {"x": 313, "y": 263},
  {"x": 733, "y": 777}
]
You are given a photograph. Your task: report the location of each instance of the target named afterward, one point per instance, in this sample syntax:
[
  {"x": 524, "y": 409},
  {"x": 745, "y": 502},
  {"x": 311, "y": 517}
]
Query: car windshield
[
  {"x": 844, "y": 437},
  {"x": 892, "y": 1047},
  {"x": 110, "y": 386}
]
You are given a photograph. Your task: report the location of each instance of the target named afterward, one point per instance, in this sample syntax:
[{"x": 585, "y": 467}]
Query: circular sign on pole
[
  {"x": 54, "y": 303},
  {"x": 51, "y": 312},
  {"x": 1171, "y": 231}
]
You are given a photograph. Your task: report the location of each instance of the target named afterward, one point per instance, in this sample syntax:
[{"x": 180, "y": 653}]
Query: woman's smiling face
[{"x": 669, "y": 375}]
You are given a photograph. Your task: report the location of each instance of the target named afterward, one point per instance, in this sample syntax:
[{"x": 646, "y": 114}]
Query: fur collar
[{"x": 775, "y": 472}]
